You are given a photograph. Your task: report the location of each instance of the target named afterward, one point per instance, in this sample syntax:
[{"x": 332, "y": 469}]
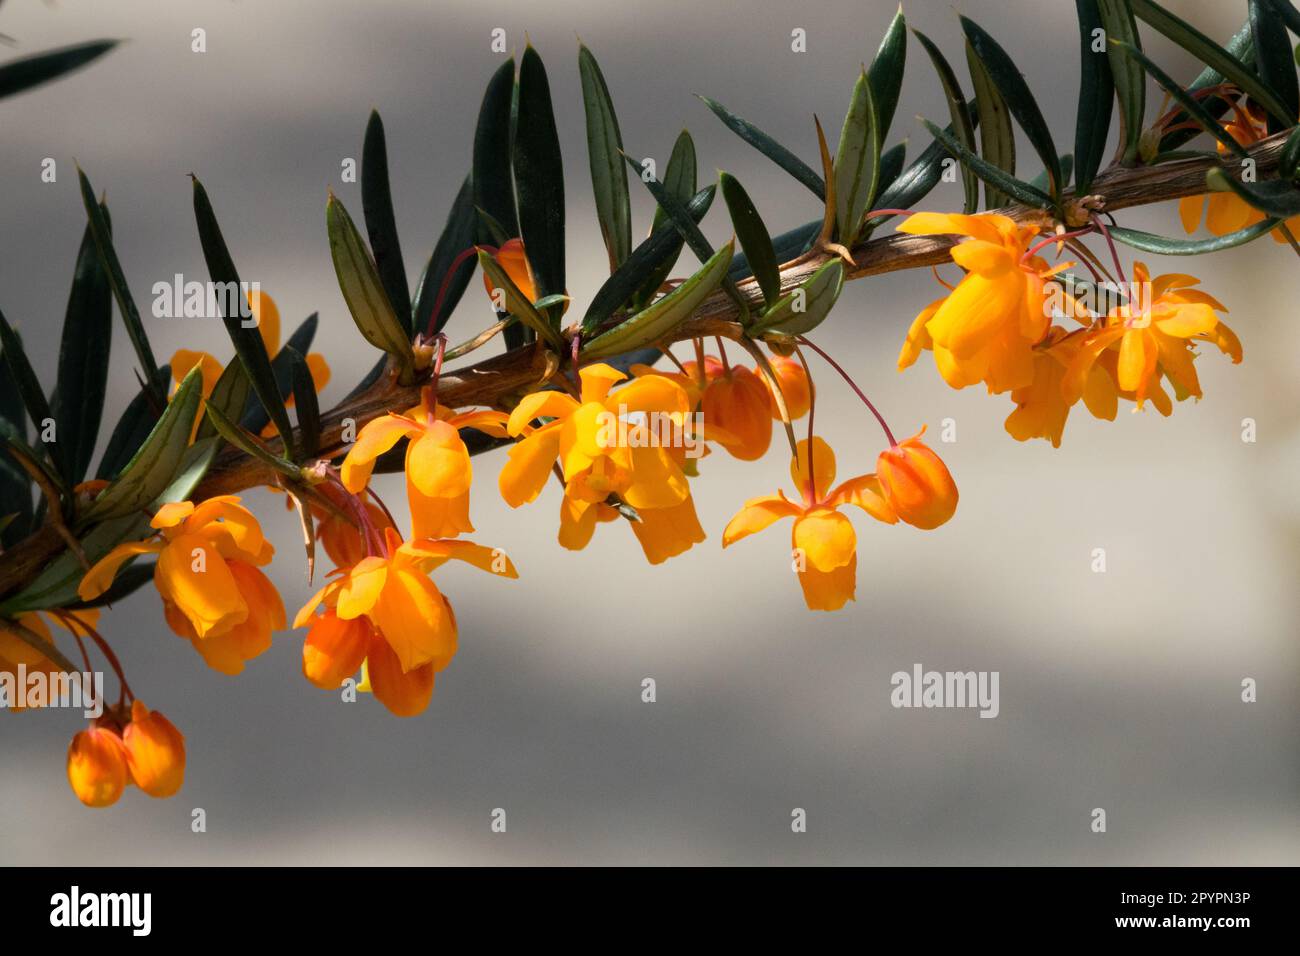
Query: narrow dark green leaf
[
  {"x": 362, "y": 291},
  {"x": 129, "y": 580},
  {"x": 1126, "y": 73},
  {"x": 1161, "y": 245},
  {"x": 23, "y": 74},
  {"x": 645, "y": 260},
  {"x": 29, "y": 386},
  {"x": 788, "y": 245},
  {"x": 886, "y": 71},
  {"x": 604, "y": 155},
  {"x": 83, "y": 363},
  {"x": 997, "y": 139},
  {"x": 155, "y": 463},
  {"x": 1004, "y": 184},
  {"x": 1211, "y": 54},
  {"x": 15, "y": 484},
  {"x": 456, "y": 239},
  {"x": 1275, "y": 198},
  {"x": 680, "y": 181},
  {"x": 891, "y": 164},
  {"x": 1020, "y": 101},
  {"x": 304, "y": 402},
  {"x": 662, "y": 316},
  {"x": 133, "y": 427},
  {"x": 101, "y": 229},
  {"x": 754, "y": 238},
  {"x": 242, "y": 331},
  {"x": 958, "y": 109},
  {"x": 1275, "y": 60},
  {"x": 539, "y": 179},
  {"x": 493, "y": 183},
  {"x": 381, "y": 224},
  {"x": 857, "y": 162},
  {"x": 232, "y": 394},
  {"x": 769, "y": 147},
  {"x": 1183, "y": 98},
  {"x": 1096, "y": 98},
  {"x": 251, "y": 415},
  {"x": 251, "y": 445}
]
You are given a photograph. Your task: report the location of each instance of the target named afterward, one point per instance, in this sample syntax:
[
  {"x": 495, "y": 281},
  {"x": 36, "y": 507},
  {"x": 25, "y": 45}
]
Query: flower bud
[
  {"x": 792, "y": 378},
  {"x": 155, "y": 752},
  {"x": 916, "y": 483},
  {"x": 97, "y": 767}
]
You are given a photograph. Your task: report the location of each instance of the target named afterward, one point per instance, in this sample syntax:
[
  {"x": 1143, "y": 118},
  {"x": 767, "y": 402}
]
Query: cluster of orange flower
[
  {"x": 996, "y": 327},
  {"x": 601, "y": 435}
]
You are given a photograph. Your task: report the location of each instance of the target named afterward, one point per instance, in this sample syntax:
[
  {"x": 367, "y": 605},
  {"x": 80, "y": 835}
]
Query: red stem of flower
[
  {"x": 853, "y": 385},
  {"x": 1057, "y": 237},
  {"x": 810, "y": 493},
  {"x": 446, "y": 282},
  {"x": 71, "y": 621},
  {"x": 1114, "y": 253}
]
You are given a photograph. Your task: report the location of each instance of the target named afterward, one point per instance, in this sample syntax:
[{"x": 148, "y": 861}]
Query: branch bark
[{"x": 489, "y": 382}]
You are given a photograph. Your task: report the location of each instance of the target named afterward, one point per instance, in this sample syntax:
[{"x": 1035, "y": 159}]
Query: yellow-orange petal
[
  {"x": 917, "y": 484},
  {"x": 823, "y": 468},
  {"x": 334, "y": 649},
  {"x": 406, "y": 693},
  {"x": 100, "y": 577},
  {"x": 155, "y": 752},
  {"x": 826, "y": 539},
  {"x": 528, "y": 466},
  {"x": 757, "y": 514},
  {"x": 97, "y": 767}
]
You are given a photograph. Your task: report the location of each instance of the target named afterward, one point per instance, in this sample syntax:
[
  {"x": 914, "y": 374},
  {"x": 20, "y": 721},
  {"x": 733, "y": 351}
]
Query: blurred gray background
[{"x": 1118, "y": 690}]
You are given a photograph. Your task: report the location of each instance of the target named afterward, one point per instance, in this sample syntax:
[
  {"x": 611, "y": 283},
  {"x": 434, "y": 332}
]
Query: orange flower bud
[
  {"x": 511, "y": 258},
  {"x": 155, "y": 752},
  {"x": 738, "y": 404},
  {"x": 793, "y": 380},
  {"x": 97, "y": 767},
  {"x": 916, "y": 483}
]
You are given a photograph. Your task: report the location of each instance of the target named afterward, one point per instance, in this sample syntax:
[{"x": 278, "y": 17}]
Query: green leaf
[
  {"x": 753, "y": 235},
  {"x": 1160, "y": 245},
  {"x": 381, "y": 225},
  {"x": 997, "y": 139},
  {"x": 29, "y": 387},
  {"x": 242, "y": 331},
  {"x": 230, "y": 394},
  {"x": 916, "y": 181},
  {"x": 457, "y": 237},
  {"x": 539, "y": 179},
  {"x": 83, "y": 363},
  {"x": 23, "y": 74},
  {"x": 1190, "y": 105},
  {"x": 679, "y": 181},
  {"x": 857, "y": 163},
  {"x": 518, "y": 304},
  {"x": 56, "y": 585},
  {"x": 1020, "y": 101},
  {"x": 100, "y": 228},
  {"x": 891, "y": 164},
  {"x": 769, "y": 147},
  {"x": 604, "y": 154},
  {"x": 886, "y": 72},
  {"x": 251, "y": 415},
  {"x": 194, "y": 465},
  {"x": 1126, "y": 73},
  {"x": 1273, "y": 198},
  {"x": 1211, "y": 54},
  {"x": 1275, "y": 60},
  {"x": 662, "y": 316},
  {"x": 788, "y": 245},
  {"x": 1096, "y": 99},
  {"x": 15, "y": 483},
  {"x": 362, "y": 291},
  {"x": 1002, "y": 183},
  {"x": 133, "y": 427},
  {"x": 958, "y": 109},
  {"x": 251, "y": 445},
  {"x": 493, "y": 183},
  {"x": 804, "y": 308},
  {"x": 153, "y": 466},
  {"x": 646, "y": 260}
]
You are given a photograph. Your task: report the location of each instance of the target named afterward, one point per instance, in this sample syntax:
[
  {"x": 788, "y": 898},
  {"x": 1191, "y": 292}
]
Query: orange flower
[
  {"x": 438, "y": 468},
  {"x": 1227, "y": 212},
  {"x": 97, "y": 769},
  {"x": 408, "y": 628},
  {"x": 794, "y": 385},
  {"x": 738, "y": 411},
  {"x": 824, "y": 542},
  {"x": 916, "y": 483},
  {"x": 985, "y": 329},
  {"x": 207, "y": 573},
  {"x": 1153, "y": 335},
  {"x": 155, "y": 752}
]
